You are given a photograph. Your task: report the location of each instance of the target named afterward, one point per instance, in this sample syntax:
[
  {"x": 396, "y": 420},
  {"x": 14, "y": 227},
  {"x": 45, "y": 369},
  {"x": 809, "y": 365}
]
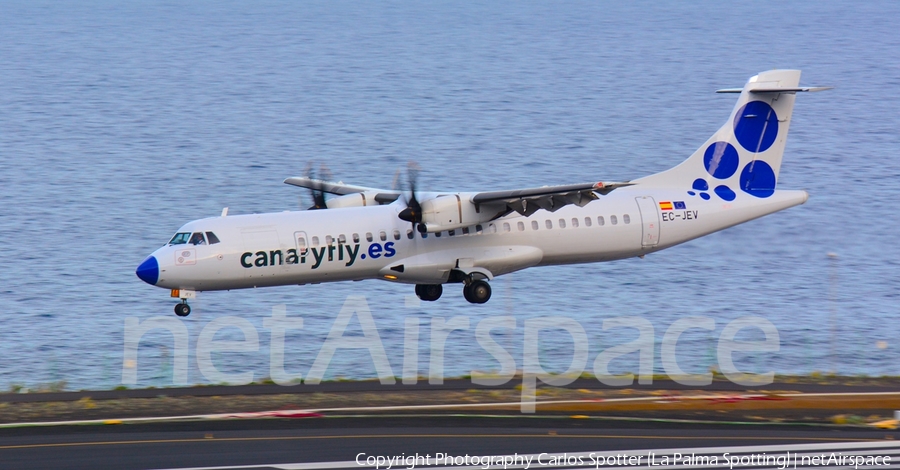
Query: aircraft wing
[
  {"x": 524, "y": 201},
  {"x": 383, "y": 196},
  {"x": 550, "y": 198}
]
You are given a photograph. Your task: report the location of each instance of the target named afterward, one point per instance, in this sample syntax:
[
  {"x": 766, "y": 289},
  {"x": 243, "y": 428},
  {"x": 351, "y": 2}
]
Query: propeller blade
[
  {"x": 395, "y": 184},
  {"x": 326, "y": 173},
  {"x": 413, "y": 211},
  {"x": 318, "y": 196}
]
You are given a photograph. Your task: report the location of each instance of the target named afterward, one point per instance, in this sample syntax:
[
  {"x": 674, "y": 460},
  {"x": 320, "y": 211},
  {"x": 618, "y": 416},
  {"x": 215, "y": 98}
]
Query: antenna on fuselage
[{"x": 225, "y": 212}]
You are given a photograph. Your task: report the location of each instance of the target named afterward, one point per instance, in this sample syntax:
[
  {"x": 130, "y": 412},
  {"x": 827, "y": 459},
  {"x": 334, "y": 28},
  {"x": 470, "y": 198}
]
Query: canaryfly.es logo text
[{"x": 315, "y": 256}]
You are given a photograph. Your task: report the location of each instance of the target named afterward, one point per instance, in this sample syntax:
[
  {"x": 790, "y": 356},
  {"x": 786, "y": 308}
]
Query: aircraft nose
[{"x": 148, "y": 271}]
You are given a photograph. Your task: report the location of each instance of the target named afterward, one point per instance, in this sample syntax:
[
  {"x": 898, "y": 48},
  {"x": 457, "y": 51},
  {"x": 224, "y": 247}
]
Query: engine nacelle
[
  {"x": 353, "y": 200},
  {"x": 452, "y": 211}
]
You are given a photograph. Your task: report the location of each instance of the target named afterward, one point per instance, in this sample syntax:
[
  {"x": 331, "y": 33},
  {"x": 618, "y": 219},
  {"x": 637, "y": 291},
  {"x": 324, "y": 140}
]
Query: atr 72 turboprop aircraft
[{"x": 434, "y": 238}]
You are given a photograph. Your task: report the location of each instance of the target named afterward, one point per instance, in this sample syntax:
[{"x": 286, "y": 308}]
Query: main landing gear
[
  {"x": 429, "y": 292},
  {"x": 477, "y": 292},
  {"x": 182, "y": 309}
]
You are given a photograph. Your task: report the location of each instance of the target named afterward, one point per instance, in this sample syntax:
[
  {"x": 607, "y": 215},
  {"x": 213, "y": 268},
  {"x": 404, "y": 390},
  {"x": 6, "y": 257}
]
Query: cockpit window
[
  {"x": 180, "y": 238},
  {"x": 197, "y": 239},
  {"x": 212, "y": 238}
]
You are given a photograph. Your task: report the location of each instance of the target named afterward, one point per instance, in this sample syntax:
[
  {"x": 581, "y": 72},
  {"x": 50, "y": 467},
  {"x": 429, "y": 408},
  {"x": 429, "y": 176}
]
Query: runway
[
  {"x": 336, "y": 442},
  {"x": 880, "y": 384}
]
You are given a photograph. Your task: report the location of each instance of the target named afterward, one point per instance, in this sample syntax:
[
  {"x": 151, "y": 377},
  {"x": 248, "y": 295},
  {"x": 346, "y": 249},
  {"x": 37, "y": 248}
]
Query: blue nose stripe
[{"x": 148, "y": 271}]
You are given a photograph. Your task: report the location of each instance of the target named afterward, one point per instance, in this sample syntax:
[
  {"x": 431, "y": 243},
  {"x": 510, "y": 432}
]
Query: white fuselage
[
  {"x": 368, "y": 233},
  {"x": 358, "y": 243}
]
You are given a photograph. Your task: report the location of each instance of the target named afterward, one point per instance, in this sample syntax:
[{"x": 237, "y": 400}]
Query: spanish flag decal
[{"x": 665, "y": 206}]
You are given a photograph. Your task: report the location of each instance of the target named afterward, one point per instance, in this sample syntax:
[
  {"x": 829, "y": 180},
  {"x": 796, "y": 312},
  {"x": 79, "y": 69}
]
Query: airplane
[{"x": 430, "y": 239}]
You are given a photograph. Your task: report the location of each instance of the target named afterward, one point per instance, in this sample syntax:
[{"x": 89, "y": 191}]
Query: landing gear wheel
[
  {"x": 429, "y": 292},
  {"x": 467, "y": 293},
  {"x": 477, "y": 292},
  {"x": 182, "y": 310}
]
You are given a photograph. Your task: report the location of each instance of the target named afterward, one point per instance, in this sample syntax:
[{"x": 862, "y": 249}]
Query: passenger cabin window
[
  {"x": 342, "y": 239},
  {"x": 534, "y": 225},
  {"x": 626, "y": 218},
  {"x": 600, "y": 221},
  {"x": 613, "y": 220},
  {"x": 437, "y": 234},
  {"x": 180, "y": 238},
  {"x": 368, "y": 236},
  {"x": 574, "y": 222},
  {"x": 451, "y": 233},
  {"x": 521, "y": 226},
  {"x": 301, "y": 245},
  {"x": 465, "y": 230},
  {"x": 506, "y": 226},
  {"x": 549, "y": 224},
  {"x": 355, "y": 238},
  {"x": 197, "y": 239},
  {"x": 328, "y": 240},
  {"x": 562, "y": 223},
  {"x": 492, "y": 228},
  {"x": 315, "y": 241},
  {"x": 212, "y": 238},
  {"x": 587, "y": 221},
  {"x": 479, "y": 230},
  {"x": 410, "y": 234},
  {"x": 383, "y": 235},
  {"x": 396, "y": 234}
]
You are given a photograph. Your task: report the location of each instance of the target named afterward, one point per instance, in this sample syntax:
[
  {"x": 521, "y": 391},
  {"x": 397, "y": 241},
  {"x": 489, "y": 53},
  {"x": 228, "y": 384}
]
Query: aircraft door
[{"x": 650, "y": 221}]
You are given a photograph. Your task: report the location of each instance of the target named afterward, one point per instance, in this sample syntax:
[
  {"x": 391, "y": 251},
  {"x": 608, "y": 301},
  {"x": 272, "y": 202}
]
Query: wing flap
[{"x": 550, "y": 198}]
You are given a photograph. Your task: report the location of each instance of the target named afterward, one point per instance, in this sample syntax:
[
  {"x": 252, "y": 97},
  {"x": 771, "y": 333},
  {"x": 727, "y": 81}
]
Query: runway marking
[
  {"x": 442, "y": 407},
  {"x": 428, "y": 436}
]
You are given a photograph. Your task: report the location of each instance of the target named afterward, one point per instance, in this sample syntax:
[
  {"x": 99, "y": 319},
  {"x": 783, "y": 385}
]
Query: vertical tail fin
[{"x": 744, "y": 155}]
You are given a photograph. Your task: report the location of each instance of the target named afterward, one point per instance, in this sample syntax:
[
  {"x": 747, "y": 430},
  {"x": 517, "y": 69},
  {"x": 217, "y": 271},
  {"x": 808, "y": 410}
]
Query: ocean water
[{"x": 120, "y": 121}]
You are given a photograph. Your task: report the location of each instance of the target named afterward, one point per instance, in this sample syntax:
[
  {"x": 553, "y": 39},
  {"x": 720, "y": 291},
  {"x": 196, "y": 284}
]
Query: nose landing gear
[{"x": 182, "y": 309}]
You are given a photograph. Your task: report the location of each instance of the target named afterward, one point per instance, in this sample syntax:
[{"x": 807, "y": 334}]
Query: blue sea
[{"x": 120, "y": 121}]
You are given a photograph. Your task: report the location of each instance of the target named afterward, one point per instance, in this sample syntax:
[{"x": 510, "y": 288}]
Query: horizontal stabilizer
[{"x": 777, "y": 89}]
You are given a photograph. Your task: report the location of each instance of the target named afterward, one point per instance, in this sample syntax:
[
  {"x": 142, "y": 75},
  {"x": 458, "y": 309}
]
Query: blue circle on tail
[
  {"x": 756, "y": 126},
  {"x": 758, "y": 179},
  {"x": 721, "y": 160}
]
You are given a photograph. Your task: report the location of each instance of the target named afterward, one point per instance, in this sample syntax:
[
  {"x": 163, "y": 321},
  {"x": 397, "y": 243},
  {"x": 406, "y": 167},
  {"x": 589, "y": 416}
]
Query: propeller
[
  {"x": 413, "y": 211},
  {"x": 395, "y": 184},
  {"x": 318, "y": 196}
]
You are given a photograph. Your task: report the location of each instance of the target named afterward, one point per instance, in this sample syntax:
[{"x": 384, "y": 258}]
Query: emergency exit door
[{"x": 650, "y": 220}]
